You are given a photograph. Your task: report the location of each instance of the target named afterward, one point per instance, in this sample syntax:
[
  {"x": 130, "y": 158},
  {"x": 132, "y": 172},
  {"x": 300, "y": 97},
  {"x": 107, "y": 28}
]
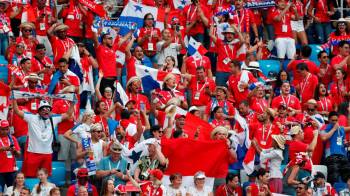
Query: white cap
[
  {"x": 199, "y": 175},
  {"x": 44, "y": 103},
  {"x": 193, "y": 108}
]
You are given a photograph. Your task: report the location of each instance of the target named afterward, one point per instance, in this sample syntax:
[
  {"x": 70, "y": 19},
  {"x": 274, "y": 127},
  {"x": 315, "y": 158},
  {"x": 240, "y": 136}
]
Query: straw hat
[
  {"x": 253, "y": 65},
  {"x": 218, "y": 129},
  {"x": 131, "y": 80},
  {"x": 221, "y": 88},
  {"x": 33, "y": 76},
  {"x": 312, "y": 102},
  {"x": 228, "y": 30},
  {"x": 280, "y": 140},
  {"x": 169, "y": 76},
  {"x": 27, "y": 25},
  {"x": 61, "y": 27},
  {"x": 295, "y": 130}
]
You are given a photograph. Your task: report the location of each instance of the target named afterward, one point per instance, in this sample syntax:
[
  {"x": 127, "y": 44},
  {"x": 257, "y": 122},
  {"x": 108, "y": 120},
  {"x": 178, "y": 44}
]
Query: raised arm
[
  {"x": 128, "y": 54},
  {"x": 50, "y": 31},
  {"x": 279, "y": 17},
  {"x": 69, "y": 113},
  {"x": 19, "y": 112},
  {"x": 97, "y": 88}
]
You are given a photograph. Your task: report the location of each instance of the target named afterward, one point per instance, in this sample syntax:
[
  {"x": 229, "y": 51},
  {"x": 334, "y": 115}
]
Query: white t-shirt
[
  {"x": 9, "y": 192},
  {"x": 45, "y": 190},
  {"x": 194, "y": 192},
  {"x": 82, "y": 131},
  {"x": 171, "y": 50},
  {"x": 97, "y": 148},
  {"x": 40, "y": 135},
  {"x": 170, "y": 191}
]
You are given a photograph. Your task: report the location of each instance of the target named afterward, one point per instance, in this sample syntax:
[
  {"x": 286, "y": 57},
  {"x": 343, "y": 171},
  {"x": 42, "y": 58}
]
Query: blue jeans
[
  {"x": 221, "y": 78},
  {"x": 4, "y": 43},
  {"x": 323, "y": 30},
  {"x": 270, "y": 32}
]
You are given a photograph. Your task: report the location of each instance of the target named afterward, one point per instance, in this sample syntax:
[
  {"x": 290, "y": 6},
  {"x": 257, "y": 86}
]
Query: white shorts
[
  {"x": 297, "y": 26},
  {"x": 285, "y": 46}
]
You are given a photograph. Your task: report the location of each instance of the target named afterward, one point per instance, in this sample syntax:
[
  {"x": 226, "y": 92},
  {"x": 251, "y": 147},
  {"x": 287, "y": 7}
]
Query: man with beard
[
  {"x": 41, "y": 128},
  {"x": 231, "y": 187},
  {"x": 83, "y": 181}
]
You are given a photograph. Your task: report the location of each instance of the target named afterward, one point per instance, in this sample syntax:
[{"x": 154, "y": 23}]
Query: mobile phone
[
  {"x": 177, "y": 28},
  {"x": 142, "y": 106}
]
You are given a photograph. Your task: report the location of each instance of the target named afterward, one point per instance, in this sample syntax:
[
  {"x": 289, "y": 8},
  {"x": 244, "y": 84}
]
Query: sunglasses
[
  {"x": 109, "y": 38},
  {"x": 161, "y": 131},
  {"x": 333, "y": 120},
  {"x": 299, "y": 187},
  {"x": 311, "y": 109},
  {"x": 97, "y": 131},
  {"x": 27, "y": 30},
  {"x": 149, "y": 18},
  {"x": 325, "y": 57},
  {"x": 20, "y": 46}
]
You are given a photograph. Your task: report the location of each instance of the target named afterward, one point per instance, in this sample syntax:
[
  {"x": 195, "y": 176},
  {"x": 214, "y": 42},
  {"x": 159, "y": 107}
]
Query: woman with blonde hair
[{"x": 82, "y": 130}]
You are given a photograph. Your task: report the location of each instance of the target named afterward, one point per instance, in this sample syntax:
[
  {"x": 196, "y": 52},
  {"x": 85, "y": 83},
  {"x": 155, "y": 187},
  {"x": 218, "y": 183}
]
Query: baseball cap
[
  {"x": 4, "y": 124},
  {"x": 82, "y": 172}
]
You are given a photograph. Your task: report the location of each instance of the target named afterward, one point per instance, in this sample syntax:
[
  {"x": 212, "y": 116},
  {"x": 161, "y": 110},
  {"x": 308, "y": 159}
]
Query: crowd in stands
[{"x": 266, "y": 87}]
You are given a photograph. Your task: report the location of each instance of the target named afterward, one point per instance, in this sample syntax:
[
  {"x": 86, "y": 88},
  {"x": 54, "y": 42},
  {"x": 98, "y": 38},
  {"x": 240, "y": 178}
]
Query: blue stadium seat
[
  {"x": 315, "y": 50},
  {"x": 19, "y": 165},
  {"x": 269, "y": 65},
  {"x": 3, "y": 60},
  {"x": 3, "y": 72},
  {"x": 31, "y": 182},
  {"x": 338, "y": 186},
  {"x": 58, "y": 173}
]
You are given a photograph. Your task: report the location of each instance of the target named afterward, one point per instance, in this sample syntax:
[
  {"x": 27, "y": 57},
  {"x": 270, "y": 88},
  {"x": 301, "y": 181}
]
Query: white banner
[{"x": 28, "y": 95}]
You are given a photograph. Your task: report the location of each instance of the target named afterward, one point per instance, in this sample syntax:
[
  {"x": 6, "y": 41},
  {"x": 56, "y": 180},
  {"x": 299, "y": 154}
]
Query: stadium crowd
[{"x": 124, "y": 108}]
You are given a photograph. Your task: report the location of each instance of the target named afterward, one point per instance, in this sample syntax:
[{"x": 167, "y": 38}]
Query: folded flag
[
  {"x": 120, "y": 94},
  {"x": 134, "y": 12},
  {"x": 180, "y": 4},
  {"x": 188, "y": 156},
  {"x": 195, "y": 48},
  {"x": 151, "y": 78},
  {"x": 248, "y": 162},
  {"x": 112, "y": 125}
]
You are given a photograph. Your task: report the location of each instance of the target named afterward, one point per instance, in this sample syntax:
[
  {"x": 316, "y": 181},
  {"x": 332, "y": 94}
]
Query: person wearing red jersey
[
  {"x": 339, "y": 88},
  {"x": 169, "y": 91},
  {"x": 133, "y": 90},
  {"x": 244, "y": 19},
  {"x": 72, "y": 17},
  {"x": 306, "y": 88},
  {"x": 268, "y": 23},
  {"x": 231, "y": 187},
  {"x": 148, "y": 36},
  {"x": 290, "y": 101},
  {"x": 9, "y": 150},
  {"x": 257, "y": 100},
  {"x": 27, "y": 39},
  {"x": 14, "y": 11},
  {"x": 5, "y": 28},
  {"x": 227, "y": 51},
  {"x": 61, "y": 44},
  {"x": 284, "y": 41},
  {"x": 18, "y": 77},
  {"x": 193, "y": 62},
  {"x": 321, "y": 11},
  {"x": 219, "y": 118},
  {"x": 305, "y": 58},
  {"x": 261, "y": 186},
  {"x": 83, "y": 181},
  {"x": 196, "y": 19},
  {"x": 341, "y": 33},
  {"x": 42, "y": 65},
  {"x": 297, "y": 145},
  {"x": 340, "y": 61},
  {"x": 44, "y": 18},
  {"x": 326, "y": 73},
  {"x": 324, "y": 102},
  {"x": 239, "y": 82},
  {"x": 201, "y": 88}
]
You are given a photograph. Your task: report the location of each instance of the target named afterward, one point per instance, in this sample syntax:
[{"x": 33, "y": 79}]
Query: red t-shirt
[
  {"x": 244, "y": 19},
  {"x": 106, "y": 59},
  {"x": 193, "y": 62},
  {"x": 269, "y": 17},
  {"x": 222, "y": 190},
  {"x": 73, "y": 18},
  {"x": 290, "y": 101},
  {"x": 262, "y": 134},
  {"x": 59, "y": 47},
  {"x": 29, "y": 45},
  {"x": 72, "y": 190},
  {"x": 307, "y": 88},
  {"x": 325, "y": 104},
  {"x": 321, "y": 9},
  {"x": 7, "y": 159},
  {"x": 283, "y": 28},
  {"x": 233, "y": 82},
  {"x": 258, "y": 105},
  {"x": 150, "y": 44},
  {"x": 292, "y": 66},
  {"x": 226, "y": 53},
  {"x": 42, "y": 25},
  {"x": 198, "y": 88},
  {"x": 190, "y": 11},
  {"x": 38, "y": 66},
  {"x": 335, "y": 61},
  {"x": 88, "y": 20},
  {"x": 296, "y": 147},
  {"x": 59, "y": 107},
  {"x": 338, "y": 91}
]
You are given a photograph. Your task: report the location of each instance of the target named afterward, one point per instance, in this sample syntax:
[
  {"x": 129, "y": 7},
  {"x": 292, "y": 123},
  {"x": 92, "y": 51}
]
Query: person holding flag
[{"x": 41, "y": 136}]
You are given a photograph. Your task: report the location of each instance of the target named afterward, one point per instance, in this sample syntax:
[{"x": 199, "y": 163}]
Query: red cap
[
  {"x": 177, "y": 116},
  {"x": 121, "y": 188},
  {"x": 157, "y": 173},
  {"x": 4, "y": 124},
  {"x": 82, "y": 172}
]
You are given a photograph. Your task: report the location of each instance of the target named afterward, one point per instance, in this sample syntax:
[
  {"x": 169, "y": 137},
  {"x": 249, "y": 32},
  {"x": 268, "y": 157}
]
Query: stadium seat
[
  {"x": 31, "y": 182},
  {"x": 319, "y": 168},
  {"x": 58, "y": 173},
  {"x": 3, "y": 72},
  {"x": 19, "y": 165},
  {"x": 339, "y": 186},
  {"x": 3, "y": 60},
  {"x": 315, "y": 50},
  {"x": 269, "y": 65}
]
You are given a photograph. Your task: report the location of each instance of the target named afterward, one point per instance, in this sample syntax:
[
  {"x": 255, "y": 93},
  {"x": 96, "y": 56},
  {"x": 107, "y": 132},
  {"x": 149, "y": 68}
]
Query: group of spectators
[{"x": 291, "y": 120}]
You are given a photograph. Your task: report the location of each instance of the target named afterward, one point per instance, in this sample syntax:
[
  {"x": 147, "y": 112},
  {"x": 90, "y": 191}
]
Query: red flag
[
  {"x": 248, "y": 162},
  {"x": 187, "y": 156},
  {"x": 97, "y": 9},
  {"x": 4, "y": 101},
  {"x": 192, "y": 122}
]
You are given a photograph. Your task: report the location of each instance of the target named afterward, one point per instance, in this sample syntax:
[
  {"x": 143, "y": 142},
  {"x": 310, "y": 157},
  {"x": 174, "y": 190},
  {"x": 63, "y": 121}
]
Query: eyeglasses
[
  {"x": 311, "y": 109},
  {"x": 19, "y": 46},
  {"x": 109, "y": 37},
  {"x": 27, "y": 30},
  {"x": 161, "y": 131},
  {"x": 325, "y": 57},
  {"x": 149, "y": 18}
]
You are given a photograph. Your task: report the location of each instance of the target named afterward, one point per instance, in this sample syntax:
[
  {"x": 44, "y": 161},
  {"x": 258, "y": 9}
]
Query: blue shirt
[
  {"x": 336, "y": 147},
  {"x": 106, "y": 163}
]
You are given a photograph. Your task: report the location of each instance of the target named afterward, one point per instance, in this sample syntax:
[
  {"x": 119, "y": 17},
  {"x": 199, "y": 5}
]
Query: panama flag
[
  {"x": 195, "y": 48},
  {"x": 134, "y": 12},
  {"x": 151, "y": 78},
  {"x": 180, "y": 4}
]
